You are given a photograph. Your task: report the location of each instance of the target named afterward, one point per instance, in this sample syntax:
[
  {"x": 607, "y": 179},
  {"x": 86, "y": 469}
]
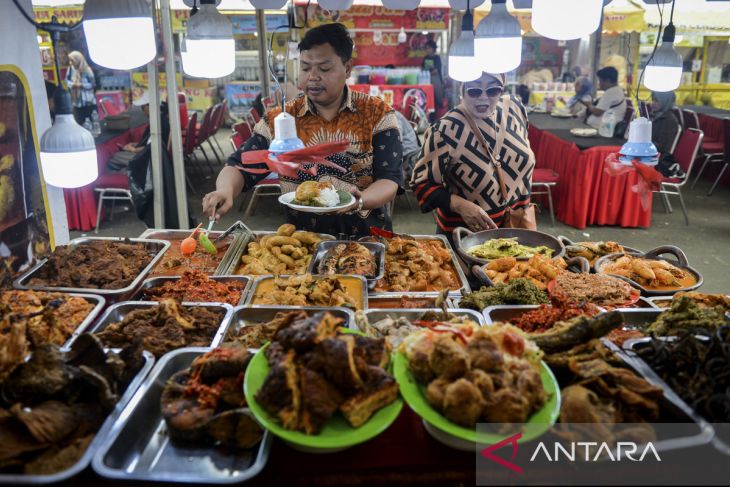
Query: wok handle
[
  {"x": 457, "y": 234},
  {"x": 671, "y": 250},
  {"x": 565, "y": 240},
  {"x": 482, "y": 276},
  {"x": 581, "y": 263}
]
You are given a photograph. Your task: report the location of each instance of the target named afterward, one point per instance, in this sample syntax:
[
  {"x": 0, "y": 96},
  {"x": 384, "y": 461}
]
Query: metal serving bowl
[{"x": 465, "y": 239}]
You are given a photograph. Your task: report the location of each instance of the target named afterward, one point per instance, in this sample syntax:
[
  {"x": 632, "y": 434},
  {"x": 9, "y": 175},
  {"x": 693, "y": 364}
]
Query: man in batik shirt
[{"x": 329, "y": 111}]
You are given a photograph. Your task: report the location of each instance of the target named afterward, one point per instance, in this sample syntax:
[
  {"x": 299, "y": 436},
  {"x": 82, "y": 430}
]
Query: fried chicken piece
[
  {"x": 508, "y": 405},
  {"x": 484, "y": 383},
  {"x": 484, "y": 354},
  {"x": 436, "y": 391},
  {"x": 463, "y": 403},
  {"x": 320, "y": 401},
  {"x": 448, "y": 358}
]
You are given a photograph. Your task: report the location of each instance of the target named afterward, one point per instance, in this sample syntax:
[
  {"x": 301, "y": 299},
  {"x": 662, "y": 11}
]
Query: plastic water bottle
[
  {"x": 608, "y": 124},
  {"x": 95, "y": 125}
]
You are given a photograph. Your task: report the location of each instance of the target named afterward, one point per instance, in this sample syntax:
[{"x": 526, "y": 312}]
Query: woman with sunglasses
[{"x": 456, "y": 176}]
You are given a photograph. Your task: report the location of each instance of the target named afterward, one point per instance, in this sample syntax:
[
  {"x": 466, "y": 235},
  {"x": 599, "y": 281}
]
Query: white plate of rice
[{"x": 338, "y": 200}]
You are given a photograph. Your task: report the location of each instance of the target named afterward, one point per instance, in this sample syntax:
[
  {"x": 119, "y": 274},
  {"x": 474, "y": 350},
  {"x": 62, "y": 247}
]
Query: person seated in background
[
  {"x": 410, "y": 143},
  {"x": 584, "y": 92},
  {"x": 664, "y": 129},
  {"x": 613, "y": 98}
]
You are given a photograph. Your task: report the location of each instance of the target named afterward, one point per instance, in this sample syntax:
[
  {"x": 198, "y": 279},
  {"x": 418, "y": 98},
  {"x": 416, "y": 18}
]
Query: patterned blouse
[
  {"x": 454, "y": 162},
  {"x": 374, "y": 153}
]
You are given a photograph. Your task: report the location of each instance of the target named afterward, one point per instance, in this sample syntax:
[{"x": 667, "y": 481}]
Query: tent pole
[
  {"x": 153, "y": 88},
  {"x": 263, "y": 53},
  {"x": 596, "y": 61}
]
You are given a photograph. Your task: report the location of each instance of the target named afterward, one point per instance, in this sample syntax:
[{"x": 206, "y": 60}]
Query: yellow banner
[
  {"x": 613, "y": 22},
  {"x": 65, "y": 15},
  {"x": 142, "y": 80}
]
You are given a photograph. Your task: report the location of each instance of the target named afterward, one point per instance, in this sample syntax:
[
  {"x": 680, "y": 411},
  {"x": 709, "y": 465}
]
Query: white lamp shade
[
  {"x": 68, "y": 154},
  {"x": 335, "y": 4},
  {"x": 120, "y": 35},
  {"x": 210, "y": 51},
  {"x": 664, "y": 72},
  {"x": 566, "y": 19},
  {"x": 498, "y": 54},
  {"x": 268, "y": 4},
  {"x": 461, "y": 4},
  {"x": 462, "y": 64},
  {"x": 401, "y": 4}
]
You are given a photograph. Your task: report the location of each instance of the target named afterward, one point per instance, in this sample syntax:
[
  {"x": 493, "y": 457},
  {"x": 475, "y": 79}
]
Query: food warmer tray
[
  {"x": 117, "y": 312},
  {"x": 376, "y": 249},
  {"x": 375, "y": 315},
  {"x": 99, "y": 303},
  {"x": 138, "y": 446},
  {"x": 159, "y": 246},
  {"x": 256, "y": 315},
  {"x": 257, "y": 282},
  {"x": 159, "y": 281},
  {"x": 453, "y": 293},
  {"x": 99, "y": 438},
  {"x": 374, "y": 300},
  {"x": 629, "y": 351},
  {"x": 233, "y": 253}
]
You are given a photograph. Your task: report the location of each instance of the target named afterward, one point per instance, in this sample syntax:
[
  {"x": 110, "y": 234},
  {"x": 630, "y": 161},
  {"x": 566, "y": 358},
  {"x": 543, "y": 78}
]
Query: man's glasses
[{"x": 492, "y": 92}]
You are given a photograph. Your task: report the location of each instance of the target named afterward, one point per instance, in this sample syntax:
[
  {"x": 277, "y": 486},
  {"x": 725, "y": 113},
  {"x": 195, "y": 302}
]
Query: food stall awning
[
  {"x": 619, "y": 16},
  {"x": 697, "y": 15}
]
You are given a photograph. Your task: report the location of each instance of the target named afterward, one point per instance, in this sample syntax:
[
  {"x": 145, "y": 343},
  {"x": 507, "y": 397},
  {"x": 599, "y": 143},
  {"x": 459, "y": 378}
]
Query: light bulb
[
  {"x": 549, "y": 18},
  {"x": 498, "y": 40},
  {"x": 335, "y": 4},
  {"x": 268, "y": 4},
  {"x": 664, "y": 71},
  {"x": 401, "y": 4},
  {"x": 120, "y": 35},
  {"x": 462, "y": 64},
  {"x": 210, "y": 51},
  {"x": 402, "y": 36}
]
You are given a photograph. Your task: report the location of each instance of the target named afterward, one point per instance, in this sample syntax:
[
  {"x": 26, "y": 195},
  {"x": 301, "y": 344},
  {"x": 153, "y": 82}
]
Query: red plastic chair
[
  {"x": 685, "y": 154},
  {"x": 545, "y": 178},
  {"x": 237, "y": 141},
  {"x": 244, "y": 129},
  {"x": 182, "y": 101},
  {"x": 677, "y": 112},
  {"x": 726, "y": 144},
  {"x": 203, "y": 134},
  {"x": 255, "y": 115}
]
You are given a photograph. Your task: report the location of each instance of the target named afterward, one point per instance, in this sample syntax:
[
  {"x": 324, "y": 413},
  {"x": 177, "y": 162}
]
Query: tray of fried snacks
[
  {"x": 345, "y": 394},
  {"x": 418, "y": 264},
  {"x": 111, "y": 267},
  {"x": 255, "y": 326},
  {"x": 538, "y": 269},
  {"x": 365, "y": 259},
  {"x": 196, "y": 286},
  {"x": 592, "y": 251},
  {"x": 396, "y": 324},
  {"x": 58, "y": 407},
  {"x": 310, "y": 290},
  {"x": 31, "y": 319},
  {"x": 633, "y": 408},
  {"x": 188, "y": 423},
  {"x": 285, "y": 251},
  {"x": 163, "y": 326},
  {"x": 652, "y": 274}
]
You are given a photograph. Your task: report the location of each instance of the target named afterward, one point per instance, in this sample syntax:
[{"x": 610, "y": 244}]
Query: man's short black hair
[
  {"x": 335, "y": 35},
  {"x": 431, "y": 43},
  {"x": 609, "y": 73}
]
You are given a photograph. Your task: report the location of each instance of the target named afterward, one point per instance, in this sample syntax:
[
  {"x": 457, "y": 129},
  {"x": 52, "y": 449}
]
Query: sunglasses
[{"x": 492, "y": 92}]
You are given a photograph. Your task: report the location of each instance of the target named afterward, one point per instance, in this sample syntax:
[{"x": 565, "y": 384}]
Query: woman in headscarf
[
  {"x": 584, "y": 92},
  {"x": 456, "y": 176},
  {"x": 80, "y": 81},
  {"x": 664, "y": 125}
]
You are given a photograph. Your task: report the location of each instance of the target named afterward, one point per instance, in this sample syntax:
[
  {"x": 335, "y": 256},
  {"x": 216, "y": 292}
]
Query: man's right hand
[{"x": 216, "y": 204}]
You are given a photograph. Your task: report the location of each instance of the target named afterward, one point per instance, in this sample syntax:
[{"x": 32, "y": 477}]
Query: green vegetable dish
[
  {"x": 506, "y": 247},
  {"x": 517, "y": 291}
]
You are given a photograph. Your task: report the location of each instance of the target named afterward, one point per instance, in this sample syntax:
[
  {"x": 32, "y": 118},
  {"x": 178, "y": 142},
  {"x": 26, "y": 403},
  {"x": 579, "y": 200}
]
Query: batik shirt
[
  {"x": 374, "y": 153},
  {"x": 455, "y": 162}
]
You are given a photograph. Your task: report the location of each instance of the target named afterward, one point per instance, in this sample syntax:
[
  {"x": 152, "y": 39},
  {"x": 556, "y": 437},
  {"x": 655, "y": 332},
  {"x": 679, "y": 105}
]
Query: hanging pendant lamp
[
  {"x": 498, "y": 44},
  {"x": 549, "y": 18},
  {"x": 462, "y": 64},
  {"x": 210, "y": 51}
]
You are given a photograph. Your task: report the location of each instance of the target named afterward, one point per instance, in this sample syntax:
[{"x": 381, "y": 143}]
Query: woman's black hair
[{"x": 335, "y": 35}]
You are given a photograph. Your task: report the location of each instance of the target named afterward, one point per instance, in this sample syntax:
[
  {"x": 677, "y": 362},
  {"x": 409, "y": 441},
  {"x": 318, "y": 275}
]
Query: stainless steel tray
[
  {"x": 666, "y": 301},
  {"x": 159, "y": 246},
  {"x": 233, "y": 253},
  {"x": 508, "y": 312},
  {"x": 256, "y": 236},
  {"x": 139, "y": 448},
  {"x": 376, "y": 249},
  {"x": 119, "y": 311},
  {"x": 99, "y": 303},
  {"x": 375, "y": 315},
  {"x": 255, "y": 315},
  {"x": 375, "y": 300},
  {"x": 456, "y": 293},
  {"x": 158, "y": 281},
  {"x": 99, "y": 438},
  {"x": 628, "y": 353},
  {"x": 257, "y": 282}
]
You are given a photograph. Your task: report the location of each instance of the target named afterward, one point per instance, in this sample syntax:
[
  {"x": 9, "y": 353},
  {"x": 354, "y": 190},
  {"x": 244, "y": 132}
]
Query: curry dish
[{"x": 308, "y": 290}]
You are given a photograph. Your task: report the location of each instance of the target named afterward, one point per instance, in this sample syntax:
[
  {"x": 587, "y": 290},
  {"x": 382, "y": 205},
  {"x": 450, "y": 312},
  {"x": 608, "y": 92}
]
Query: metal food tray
[
  {"x": 159, "y": 246},
  {"x": 252, "y": 316},
  {"x": 233, "y": 253},
  {"x": 508, "y": 312},
  {"x": 138, "y": 446},
  {"x": 456, "y": 293},
  {"x": 375, "y": 299},
  {"x": 376, "y": 249},
  {"x": 628, "y": 352},
  {"x": 99, "y": 438},
  {"x": 257, "y": 282},
  {"x": 375, "y": 315},
  {"x": 118, "y": 311},
  {"x": 99, "y": 303},
  {"x": 158, "y": 281},
  {"x": 234, "y": 264}
]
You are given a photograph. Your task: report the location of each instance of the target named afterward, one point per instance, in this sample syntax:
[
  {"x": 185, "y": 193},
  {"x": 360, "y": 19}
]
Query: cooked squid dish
[
  {"x": 650, "y": 273},
  {"x": 477, "y": 374},
  {"x": 593, "y": 250},
  {"x": 288, "y": 251},
  {"x": 206, "y": 403},
  {"x": 349, "y": 258},
  {"x": 316, "y": 372},
  {"x": 539, "y": 269}
]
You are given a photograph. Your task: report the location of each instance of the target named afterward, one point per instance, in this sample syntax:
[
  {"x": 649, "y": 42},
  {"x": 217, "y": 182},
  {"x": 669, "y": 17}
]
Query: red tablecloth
[
  {"x": 399, "y": 91},
  {"x": 585, "y": 194},
  {"x": 81, "y": 202}
]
